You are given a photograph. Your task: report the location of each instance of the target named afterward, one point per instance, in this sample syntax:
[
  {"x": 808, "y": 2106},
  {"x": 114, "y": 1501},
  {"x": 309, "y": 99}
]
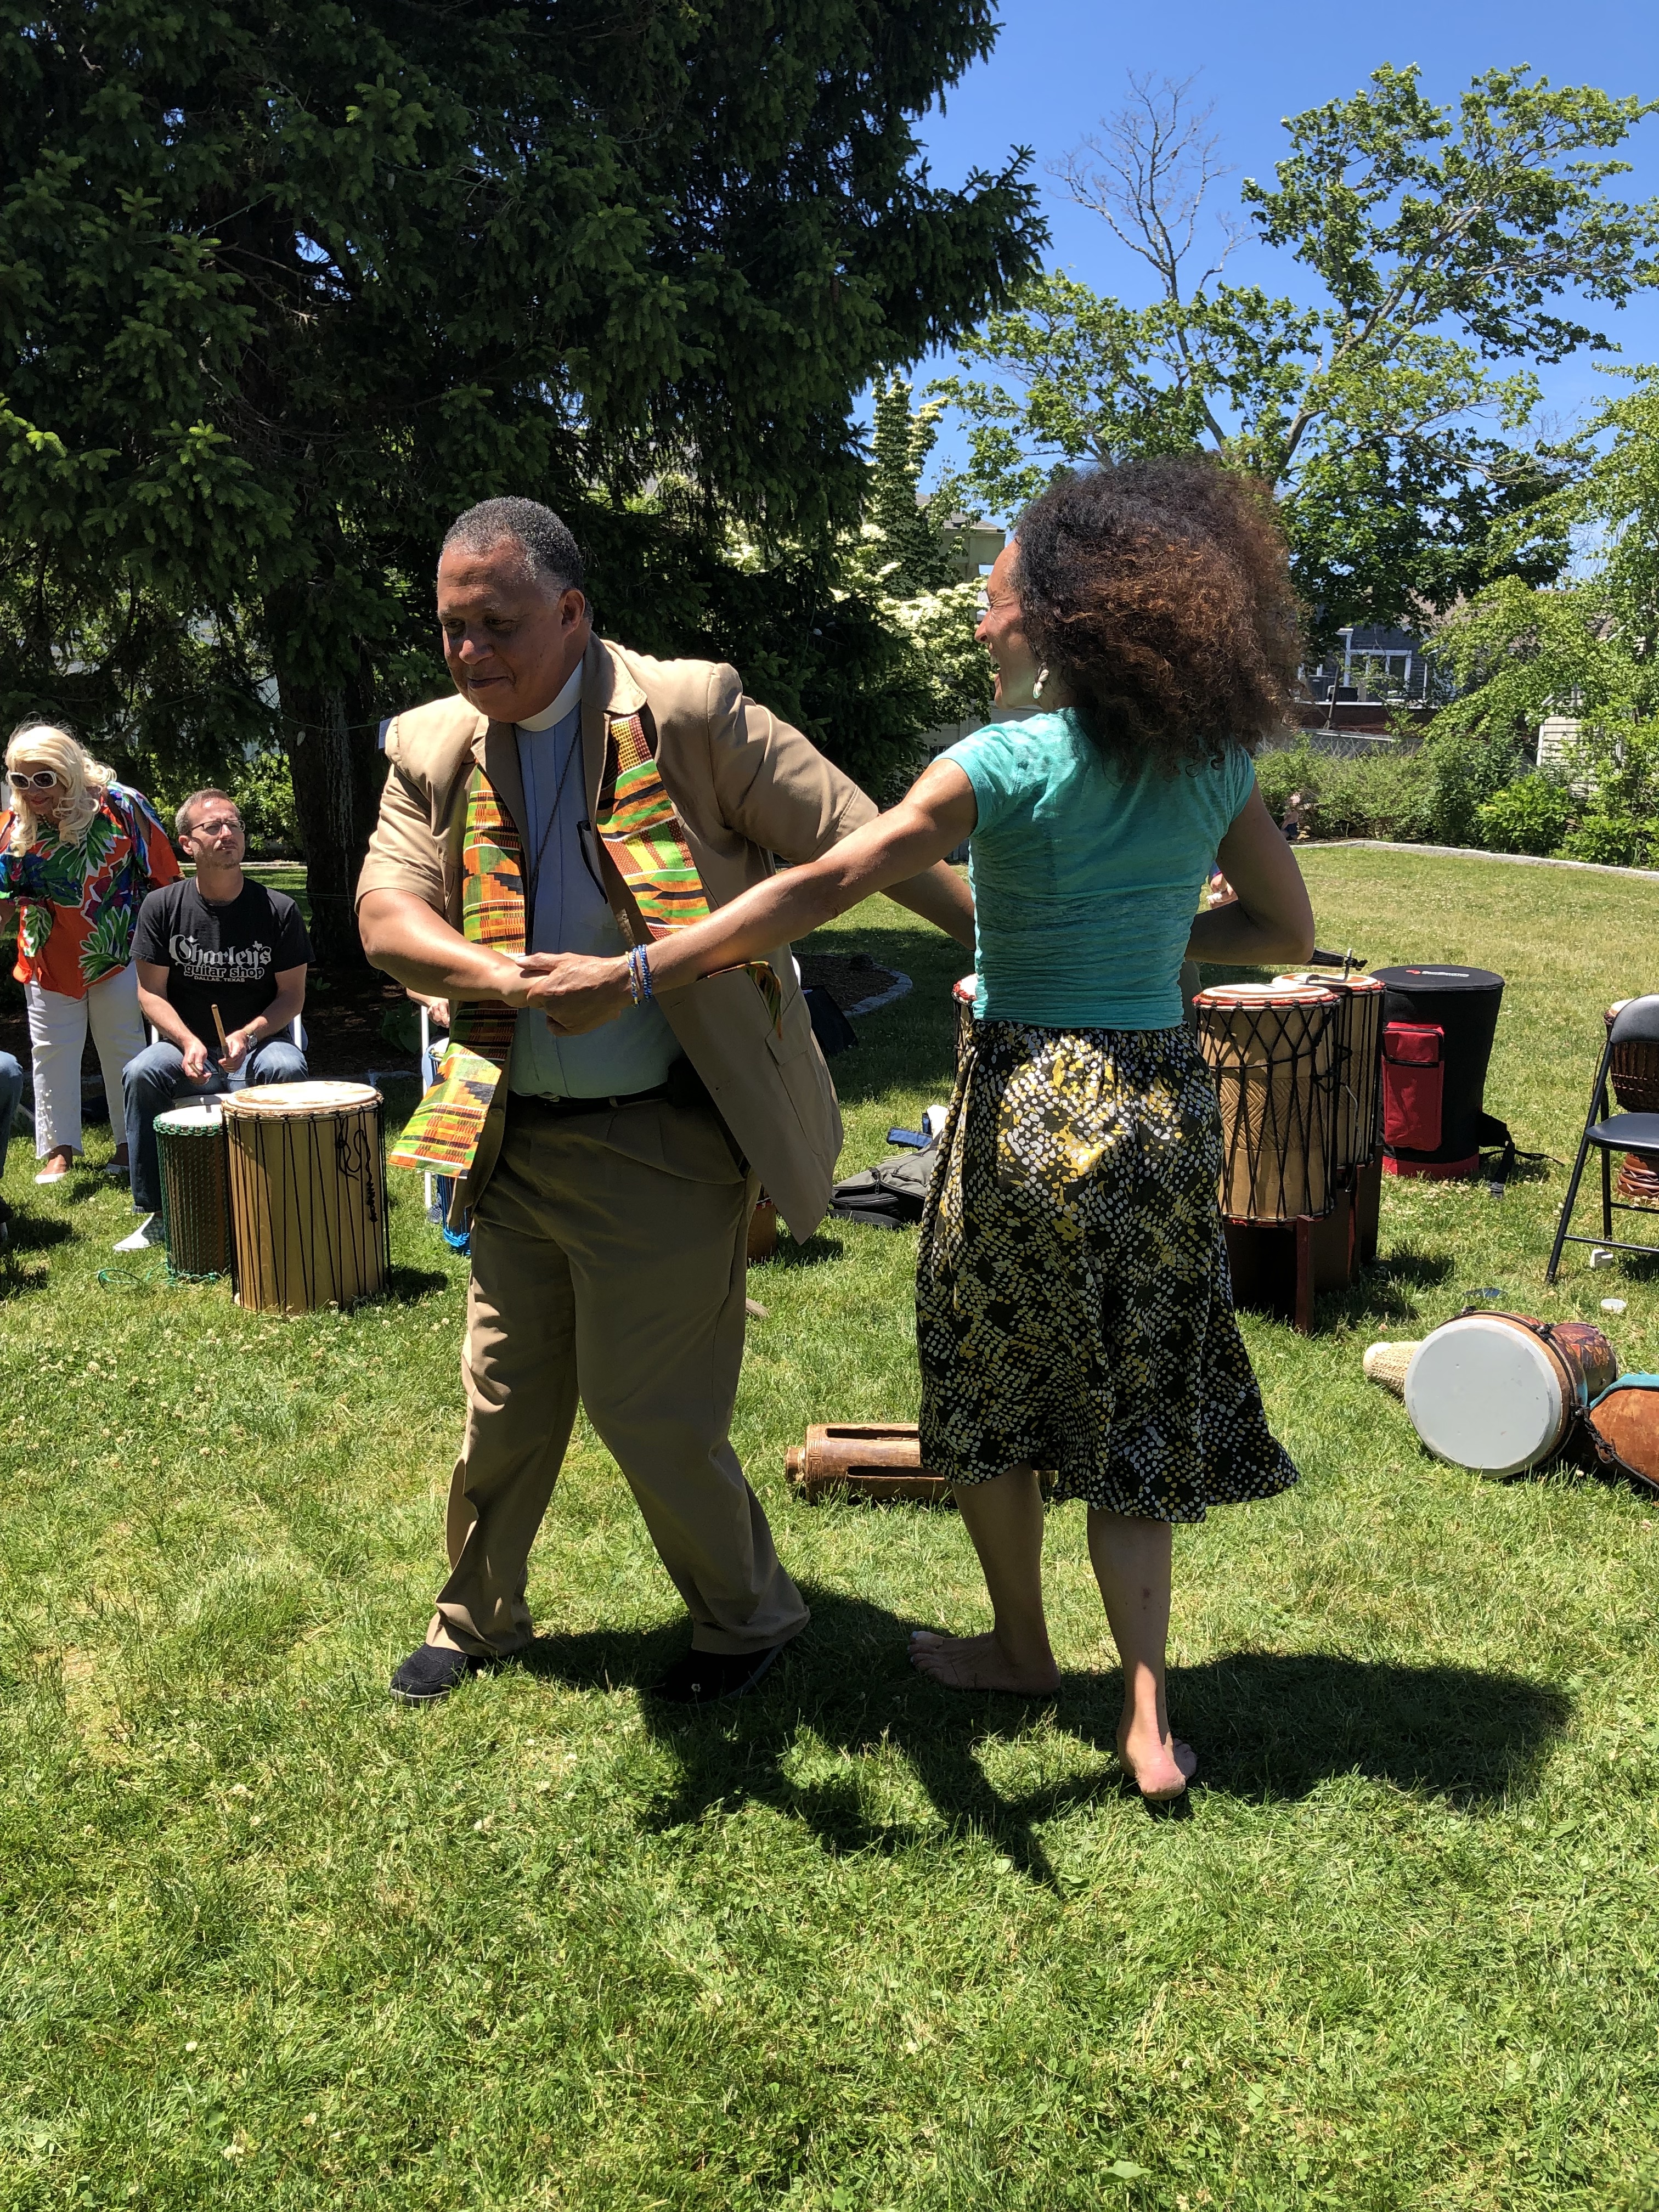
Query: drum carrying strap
[
  {"x": 644, "y": 840},
  {"x": 1495, "y": 1136}
]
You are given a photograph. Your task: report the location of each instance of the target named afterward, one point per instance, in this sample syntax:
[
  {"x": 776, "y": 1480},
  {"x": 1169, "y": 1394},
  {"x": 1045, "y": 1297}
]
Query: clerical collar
[{"x": 566, "y": 703}]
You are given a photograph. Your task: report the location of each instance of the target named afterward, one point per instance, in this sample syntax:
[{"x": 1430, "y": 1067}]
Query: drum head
[
  {"x": 1355, "y": 985},
  {"x": 1485, "y": 1394},
  {"x": 967, "y": 990},
  {"x": 301, "y": 1098},
  {"x": 1281, "y": 994},
  {"x": 189, "y": 1121}
]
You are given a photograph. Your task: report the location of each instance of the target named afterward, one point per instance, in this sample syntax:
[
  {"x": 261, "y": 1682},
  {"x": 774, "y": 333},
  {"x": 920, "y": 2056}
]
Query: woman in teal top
[{"x": 1074, "y": 1313}]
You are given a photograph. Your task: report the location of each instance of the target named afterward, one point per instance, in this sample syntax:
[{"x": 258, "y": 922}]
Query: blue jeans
[
  {"x": 11, "y": 1089},
  {"x": 155, "y": 1080}
]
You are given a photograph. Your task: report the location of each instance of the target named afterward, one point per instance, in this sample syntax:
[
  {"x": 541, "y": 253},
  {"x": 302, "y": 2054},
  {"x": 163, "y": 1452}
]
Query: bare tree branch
[{"x": 1145, "y": 173}]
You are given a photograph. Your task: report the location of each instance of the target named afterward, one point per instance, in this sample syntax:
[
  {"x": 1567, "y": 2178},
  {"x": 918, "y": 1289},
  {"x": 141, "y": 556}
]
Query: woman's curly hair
[{"x": 1159, "y": 591}]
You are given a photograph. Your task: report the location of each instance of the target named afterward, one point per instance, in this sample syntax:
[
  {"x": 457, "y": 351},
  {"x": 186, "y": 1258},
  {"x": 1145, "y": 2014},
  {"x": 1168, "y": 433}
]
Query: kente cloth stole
[{"x": 639, "y": 828}]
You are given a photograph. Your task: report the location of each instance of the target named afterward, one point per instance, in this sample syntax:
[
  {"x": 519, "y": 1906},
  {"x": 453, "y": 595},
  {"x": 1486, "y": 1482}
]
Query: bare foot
[
  {"x": 977, "y": 1663},
  {"x": 1160, "y": 1770}
]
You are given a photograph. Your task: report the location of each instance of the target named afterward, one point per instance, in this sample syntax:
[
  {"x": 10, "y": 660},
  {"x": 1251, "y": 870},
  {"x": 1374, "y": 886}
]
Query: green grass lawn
[{"x": 856, "y": 1943}]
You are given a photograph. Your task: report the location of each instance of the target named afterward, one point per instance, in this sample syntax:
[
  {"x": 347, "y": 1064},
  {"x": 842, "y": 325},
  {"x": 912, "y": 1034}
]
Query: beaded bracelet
[{"x": 639, "y": 974}]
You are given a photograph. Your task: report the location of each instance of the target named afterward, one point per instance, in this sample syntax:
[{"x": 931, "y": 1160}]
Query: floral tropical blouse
[{"x": 79, "y": 901}]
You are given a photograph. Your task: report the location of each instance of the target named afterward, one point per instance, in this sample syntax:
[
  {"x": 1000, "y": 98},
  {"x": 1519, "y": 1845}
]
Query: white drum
[{"x": 1497, "y": 1393}]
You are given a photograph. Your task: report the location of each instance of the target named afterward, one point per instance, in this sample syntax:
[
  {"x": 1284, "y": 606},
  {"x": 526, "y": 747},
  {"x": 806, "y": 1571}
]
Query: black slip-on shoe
[
  {"x": 432, "y": 1673},
  {"x": 701, "y": 1677}
]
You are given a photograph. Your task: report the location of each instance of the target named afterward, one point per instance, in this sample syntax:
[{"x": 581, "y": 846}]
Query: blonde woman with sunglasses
[{"x": 78, "y": 851}]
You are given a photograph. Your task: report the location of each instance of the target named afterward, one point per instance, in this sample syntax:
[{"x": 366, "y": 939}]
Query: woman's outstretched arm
[{"x": 576, "y": 993}]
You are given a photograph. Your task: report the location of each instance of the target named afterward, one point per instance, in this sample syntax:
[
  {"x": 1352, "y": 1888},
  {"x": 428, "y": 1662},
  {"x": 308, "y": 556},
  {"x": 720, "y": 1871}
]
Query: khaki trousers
[{"x": 608, "y": 1264}]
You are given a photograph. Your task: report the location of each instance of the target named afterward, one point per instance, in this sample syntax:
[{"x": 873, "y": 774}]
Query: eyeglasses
[
  {"x": 41, "y": 779},
  {"x": 217, "y": 828}
]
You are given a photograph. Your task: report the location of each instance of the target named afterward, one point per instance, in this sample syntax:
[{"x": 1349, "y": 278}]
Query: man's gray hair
[
  {"x": 181, "y": 818},
  {"x": 551, "y": 553}
]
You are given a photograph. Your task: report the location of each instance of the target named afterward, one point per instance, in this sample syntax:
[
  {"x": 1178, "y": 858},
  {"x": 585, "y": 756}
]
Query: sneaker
[
  {"x": 702, "y": 1677},
  {"x": 145, "y": 1237},
  {"x": 432, "y": 1673}
]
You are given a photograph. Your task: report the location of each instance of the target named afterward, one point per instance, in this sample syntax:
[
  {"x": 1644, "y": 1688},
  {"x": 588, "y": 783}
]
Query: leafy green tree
[
  {"x": 1588, "y": 648},
  {"x": 1441, "y": 244},
  {"x": 281, "y": 289}
]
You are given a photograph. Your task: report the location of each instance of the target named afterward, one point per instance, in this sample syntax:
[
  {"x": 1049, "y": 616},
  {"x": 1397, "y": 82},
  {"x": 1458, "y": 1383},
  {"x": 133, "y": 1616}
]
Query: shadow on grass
[
  {"x": 1386, "y": 1289},
  {"x": 408, "y": 1286},
  {"x": 1267, "y": 1726},
  {"x": 21, "y": 1268},
  {"x": 817, "y": 1249}
]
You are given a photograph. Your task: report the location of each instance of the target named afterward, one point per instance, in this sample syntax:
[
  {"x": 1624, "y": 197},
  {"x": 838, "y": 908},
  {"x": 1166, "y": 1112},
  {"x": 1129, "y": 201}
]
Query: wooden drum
[
  {"x": 1358, "y": 1062},
  {"x": 963, "y": 995},
  {"x": 1634, "y": 1071},
  {"x": 1272, "y": 1049},
  {"x": 862, "y": 1459},
  {"x": 190, "y": 1152},
  {"x": 1499, "y": 1393},
  {"x": 308, "y": 1195}
]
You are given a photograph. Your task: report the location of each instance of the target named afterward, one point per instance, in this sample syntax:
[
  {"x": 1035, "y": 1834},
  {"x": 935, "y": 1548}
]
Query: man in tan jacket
[{"x": 576, "y": 797}]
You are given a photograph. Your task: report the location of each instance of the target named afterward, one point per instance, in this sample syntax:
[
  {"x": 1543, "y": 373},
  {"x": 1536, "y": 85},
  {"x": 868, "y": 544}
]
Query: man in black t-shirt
[{"x": 213, "y": 951}]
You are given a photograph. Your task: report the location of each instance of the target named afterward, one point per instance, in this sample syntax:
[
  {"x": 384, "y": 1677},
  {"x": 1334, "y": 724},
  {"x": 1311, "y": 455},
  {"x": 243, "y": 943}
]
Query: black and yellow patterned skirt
[{"x": 1074, "y": 1306}]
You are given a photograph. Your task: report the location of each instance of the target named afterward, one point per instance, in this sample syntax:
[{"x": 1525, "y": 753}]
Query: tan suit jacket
[{"x": 745, "y": 787}]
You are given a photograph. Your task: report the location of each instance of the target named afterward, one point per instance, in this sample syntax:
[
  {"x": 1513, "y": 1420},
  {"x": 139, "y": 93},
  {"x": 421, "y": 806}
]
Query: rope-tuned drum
[
  {"x": 308, "y": 1195},
  {"x": 1358, "y": 1062},
  {"x": 1271, "y": 1049}
]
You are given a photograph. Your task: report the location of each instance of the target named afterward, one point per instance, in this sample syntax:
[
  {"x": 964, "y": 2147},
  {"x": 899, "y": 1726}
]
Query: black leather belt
[{"x": 559, "y": 1109}]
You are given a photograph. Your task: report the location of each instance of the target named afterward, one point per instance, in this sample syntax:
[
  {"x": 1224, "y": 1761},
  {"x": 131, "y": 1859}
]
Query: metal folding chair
[{"x": 1636, "y": 1021}]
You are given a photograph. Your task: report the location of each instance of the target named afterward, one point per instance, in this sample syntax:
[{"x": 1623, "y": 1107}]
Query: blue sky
[{"x": 1059, "y": 65}]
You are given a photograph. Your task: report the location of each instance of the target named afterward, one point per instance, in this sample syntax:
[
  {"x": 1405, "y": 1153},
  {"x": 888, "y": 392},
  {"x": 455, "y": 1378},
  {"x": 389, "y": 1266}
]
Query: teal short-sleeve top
[{"x": 1086, "y": 878}]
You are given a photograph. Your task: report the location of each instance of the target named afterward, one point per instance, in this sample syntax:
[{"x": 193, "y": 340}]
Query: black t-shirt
[{"x": 226, "y": 957}]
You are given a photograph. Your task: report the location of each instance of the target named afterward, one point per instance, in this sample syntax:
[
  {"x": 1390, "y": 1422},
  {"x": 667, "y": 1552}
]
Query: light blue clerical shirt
[{"x": 571, "y": 914}]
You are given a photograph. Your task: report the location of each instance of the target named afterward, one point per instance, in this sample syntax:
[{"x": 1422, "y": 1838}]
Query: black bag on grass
[{"x": 890, "y": 1196}]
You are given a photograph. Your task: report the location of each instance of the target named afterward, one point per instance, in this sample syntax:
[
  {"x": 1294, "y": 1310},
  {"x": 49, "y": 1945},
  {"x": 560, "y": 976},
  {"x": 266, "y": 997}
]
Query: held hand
[
  {"x": 196, "y": 1060},
  {"x": 576, "y": 993},
  {"x": 235, "y": 1051}
]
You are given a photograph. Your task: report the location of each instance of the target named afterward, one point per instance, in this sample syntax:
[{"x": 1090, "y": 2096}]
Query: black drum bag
[{"x": 1439, "y": 1024}]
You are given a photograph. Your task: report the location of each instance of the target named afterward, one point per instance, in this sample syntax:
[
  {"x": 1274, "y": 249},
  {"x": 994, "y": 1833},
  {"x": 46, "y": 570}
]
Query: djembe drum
[
  {"x": 1499, "y": 1393},
  {"x": 1634, "y": 1070},
  {"x": 963, "y": 995},
  {"x": 1358, "y": 1062},
  {"x": 1272, "y": 1049},
  {"x": 308, "y": 1195},
  {"x": 190, "y": 1153}
]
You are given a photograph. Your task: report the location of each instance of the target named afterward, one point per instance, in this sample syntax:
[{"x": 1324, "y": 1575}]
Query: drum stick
[{"x": 218, "y": 1023}]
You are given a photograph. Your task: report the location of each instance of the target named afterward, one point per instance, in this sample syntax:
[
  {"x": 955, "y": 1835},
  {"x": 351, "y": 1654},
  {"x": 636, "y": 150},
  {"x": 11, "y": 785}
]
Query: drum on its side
[
  {"x": 963, "y": 994},
  {"x": 1358, "y": 1062},
  {"x": 1272, "y": 1049},
  {"x": 1498, "y": 1393},
  {"x": 1634, "y": 1073},
  {"x": 190, "y": 1152},
  {"x": 308, "y": 1195}
]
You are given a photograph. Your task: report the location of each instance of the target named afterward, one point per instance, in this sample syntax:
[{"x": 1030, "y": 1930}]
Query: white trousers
[{"x": 58, "y": 1031}]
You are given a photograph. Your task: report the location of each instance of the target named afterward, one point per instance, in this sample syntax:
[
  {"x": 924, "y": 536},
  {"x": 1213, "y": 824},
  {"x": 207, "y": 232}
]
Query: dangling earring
[{"x": 1042, "y": 678}]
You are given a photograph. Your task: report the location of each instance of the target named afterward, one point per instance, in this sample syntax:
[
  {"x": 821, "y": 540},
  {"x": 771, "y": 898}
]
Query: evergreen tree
[{"x": 285, "y": 288}]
